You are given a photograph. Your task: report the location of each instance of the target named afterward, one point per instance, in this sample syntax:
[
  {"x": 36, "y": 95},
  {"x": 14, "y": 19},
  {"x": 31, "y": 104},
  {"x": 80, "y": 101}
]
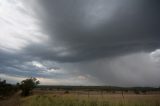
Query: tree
[
  {"x": 136, "y": 91},
  {"x": 5, "y": 88},
  {"x": 27, "y": 85}
]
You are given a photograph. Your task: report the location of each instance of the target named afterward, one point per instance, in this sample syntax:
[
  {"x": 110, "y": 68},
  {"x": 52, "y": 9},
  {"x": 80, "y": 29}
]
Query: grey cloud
[
  {"x": 132, "y": 27},
  {"x": 20, "y": 64},
  {"x": 136, "y": 69},
  {"x": 98, "y": 39}
]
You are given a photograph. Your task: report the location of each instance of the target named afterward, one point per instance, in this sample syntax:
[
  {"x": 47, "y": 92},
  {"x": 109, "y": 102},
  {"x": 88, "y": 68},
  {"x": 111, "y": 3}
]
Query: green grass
[{"x": 94, "y": 100}]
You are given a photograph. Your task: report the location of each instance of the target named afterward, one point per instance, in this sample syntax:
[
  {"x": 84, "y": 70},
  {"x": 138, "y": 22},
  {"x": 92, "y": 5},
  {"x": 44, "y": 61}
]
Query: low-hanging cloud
[{"x": 124, "y": 27}]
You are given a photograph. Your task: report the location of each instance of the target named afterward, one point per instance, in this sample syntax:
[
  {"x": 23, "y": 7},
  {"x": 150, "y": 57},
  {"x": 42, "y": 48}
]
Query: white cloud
[
  {"x": 19, "y": 26},
  {"x": 155, "y": 55},
  {"x": 11, "y": 79},
  {"x": 82, "y": 77},
  {"x": 37, "y": 64},
  {"x": 47, "y": 67}
]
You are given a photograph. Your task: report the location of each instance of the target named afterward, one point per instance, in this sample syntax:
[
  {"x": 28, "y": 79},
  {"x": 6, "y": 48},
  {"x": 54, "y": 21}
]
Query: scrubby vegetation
[
  {"x": 34, "y": 95},
  {"x": 109, "y": 89},
  {"x": 94, "y": 100},
  {"x": 6, "y": 89},
  {"x": 27, "y": 85}
]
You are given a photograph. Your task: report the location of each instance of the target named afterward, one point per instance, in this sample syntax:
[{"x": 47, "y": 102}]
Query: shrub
[
  {"x": 66, "y": 92},
  {"x": 136, "y": 92},
  {"x": 27, "y": 85}
]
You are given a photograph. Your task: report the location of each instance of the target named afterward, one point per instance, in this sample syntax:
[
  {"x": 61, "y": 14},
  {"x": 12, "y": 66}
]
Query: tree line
[{"x": 25, "y": 86}]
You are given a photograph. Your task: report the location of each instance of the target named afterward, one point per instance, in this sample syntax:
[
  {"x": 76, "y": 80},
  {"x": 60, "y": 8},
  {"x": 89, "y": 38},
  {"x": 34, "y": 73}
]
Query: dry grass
[
  {"x": 81, "y": 98},
  {"x": 73, "y": 99}
]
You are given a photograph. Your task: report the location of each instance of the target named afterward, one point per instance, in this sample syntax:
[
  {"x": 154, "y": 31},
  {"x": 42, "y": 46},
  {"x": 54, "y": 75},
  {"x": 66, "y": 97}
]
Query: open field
[
  {"x": 83, "y": 98},
  {"x": 92, "y": 99}
]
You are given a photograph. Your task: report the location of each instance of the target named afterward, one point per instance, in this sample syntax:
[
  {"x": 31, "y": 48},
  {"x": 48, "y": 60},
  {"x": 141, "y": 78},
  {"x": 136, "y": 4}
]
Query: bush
[
  {"x": 27, "y": 85},
  {"x": 144, "y": 91},
  {"x": 136, "y": 92},
  {"x": 66, "y": 92},
  {"x": 5, "y": 88}
]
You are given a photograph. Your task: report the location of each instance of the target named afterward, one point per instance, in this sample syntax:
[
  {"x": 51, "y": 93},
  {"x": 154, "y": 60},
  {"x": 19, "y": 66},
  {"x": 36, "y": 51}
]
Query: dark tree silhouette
[
  {"x": 27, "y": 85},
  {"x": 5, "y": 88}
]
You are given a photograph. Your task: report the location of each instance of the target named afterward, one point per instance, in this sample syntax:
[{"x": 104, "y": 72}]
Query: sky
[{"x": 81, "y": 42}]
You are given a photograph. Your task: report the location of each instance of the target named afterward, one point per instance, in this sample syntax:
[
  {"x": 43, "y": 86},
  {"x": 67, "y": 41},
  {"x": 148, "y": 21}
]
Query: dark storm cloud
[
  {"x": 91, "y": 29},
  {"x": 21, "y": 65},
  {"x": 97, "y": 41},
  {"x": 10, "y": 63}
]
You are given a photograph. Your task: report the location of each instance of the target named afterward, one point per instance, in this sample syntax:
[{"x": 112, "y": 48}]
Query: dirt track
[{"x": 12, "y": 101}]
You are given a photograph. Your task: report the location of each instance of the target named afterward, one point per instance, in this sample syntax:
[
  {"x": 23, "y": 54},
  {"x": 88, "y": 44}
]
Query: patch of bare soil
[{"x": 13, "y": 100}]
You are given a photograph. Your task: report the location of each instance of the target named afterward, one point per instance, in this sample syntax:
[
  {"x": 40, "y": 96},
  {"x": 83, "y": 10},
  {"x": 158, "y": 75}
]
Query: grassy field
[{"x": 73, "y": 99}]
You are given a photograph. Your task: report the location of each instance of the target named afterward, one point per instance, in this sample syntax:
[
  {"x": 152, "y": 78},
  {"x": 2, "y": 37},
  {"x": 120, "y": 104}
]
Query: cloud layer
[
  {"x": 85, "y": 30},
  {"x": 104, "y": 42}
]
